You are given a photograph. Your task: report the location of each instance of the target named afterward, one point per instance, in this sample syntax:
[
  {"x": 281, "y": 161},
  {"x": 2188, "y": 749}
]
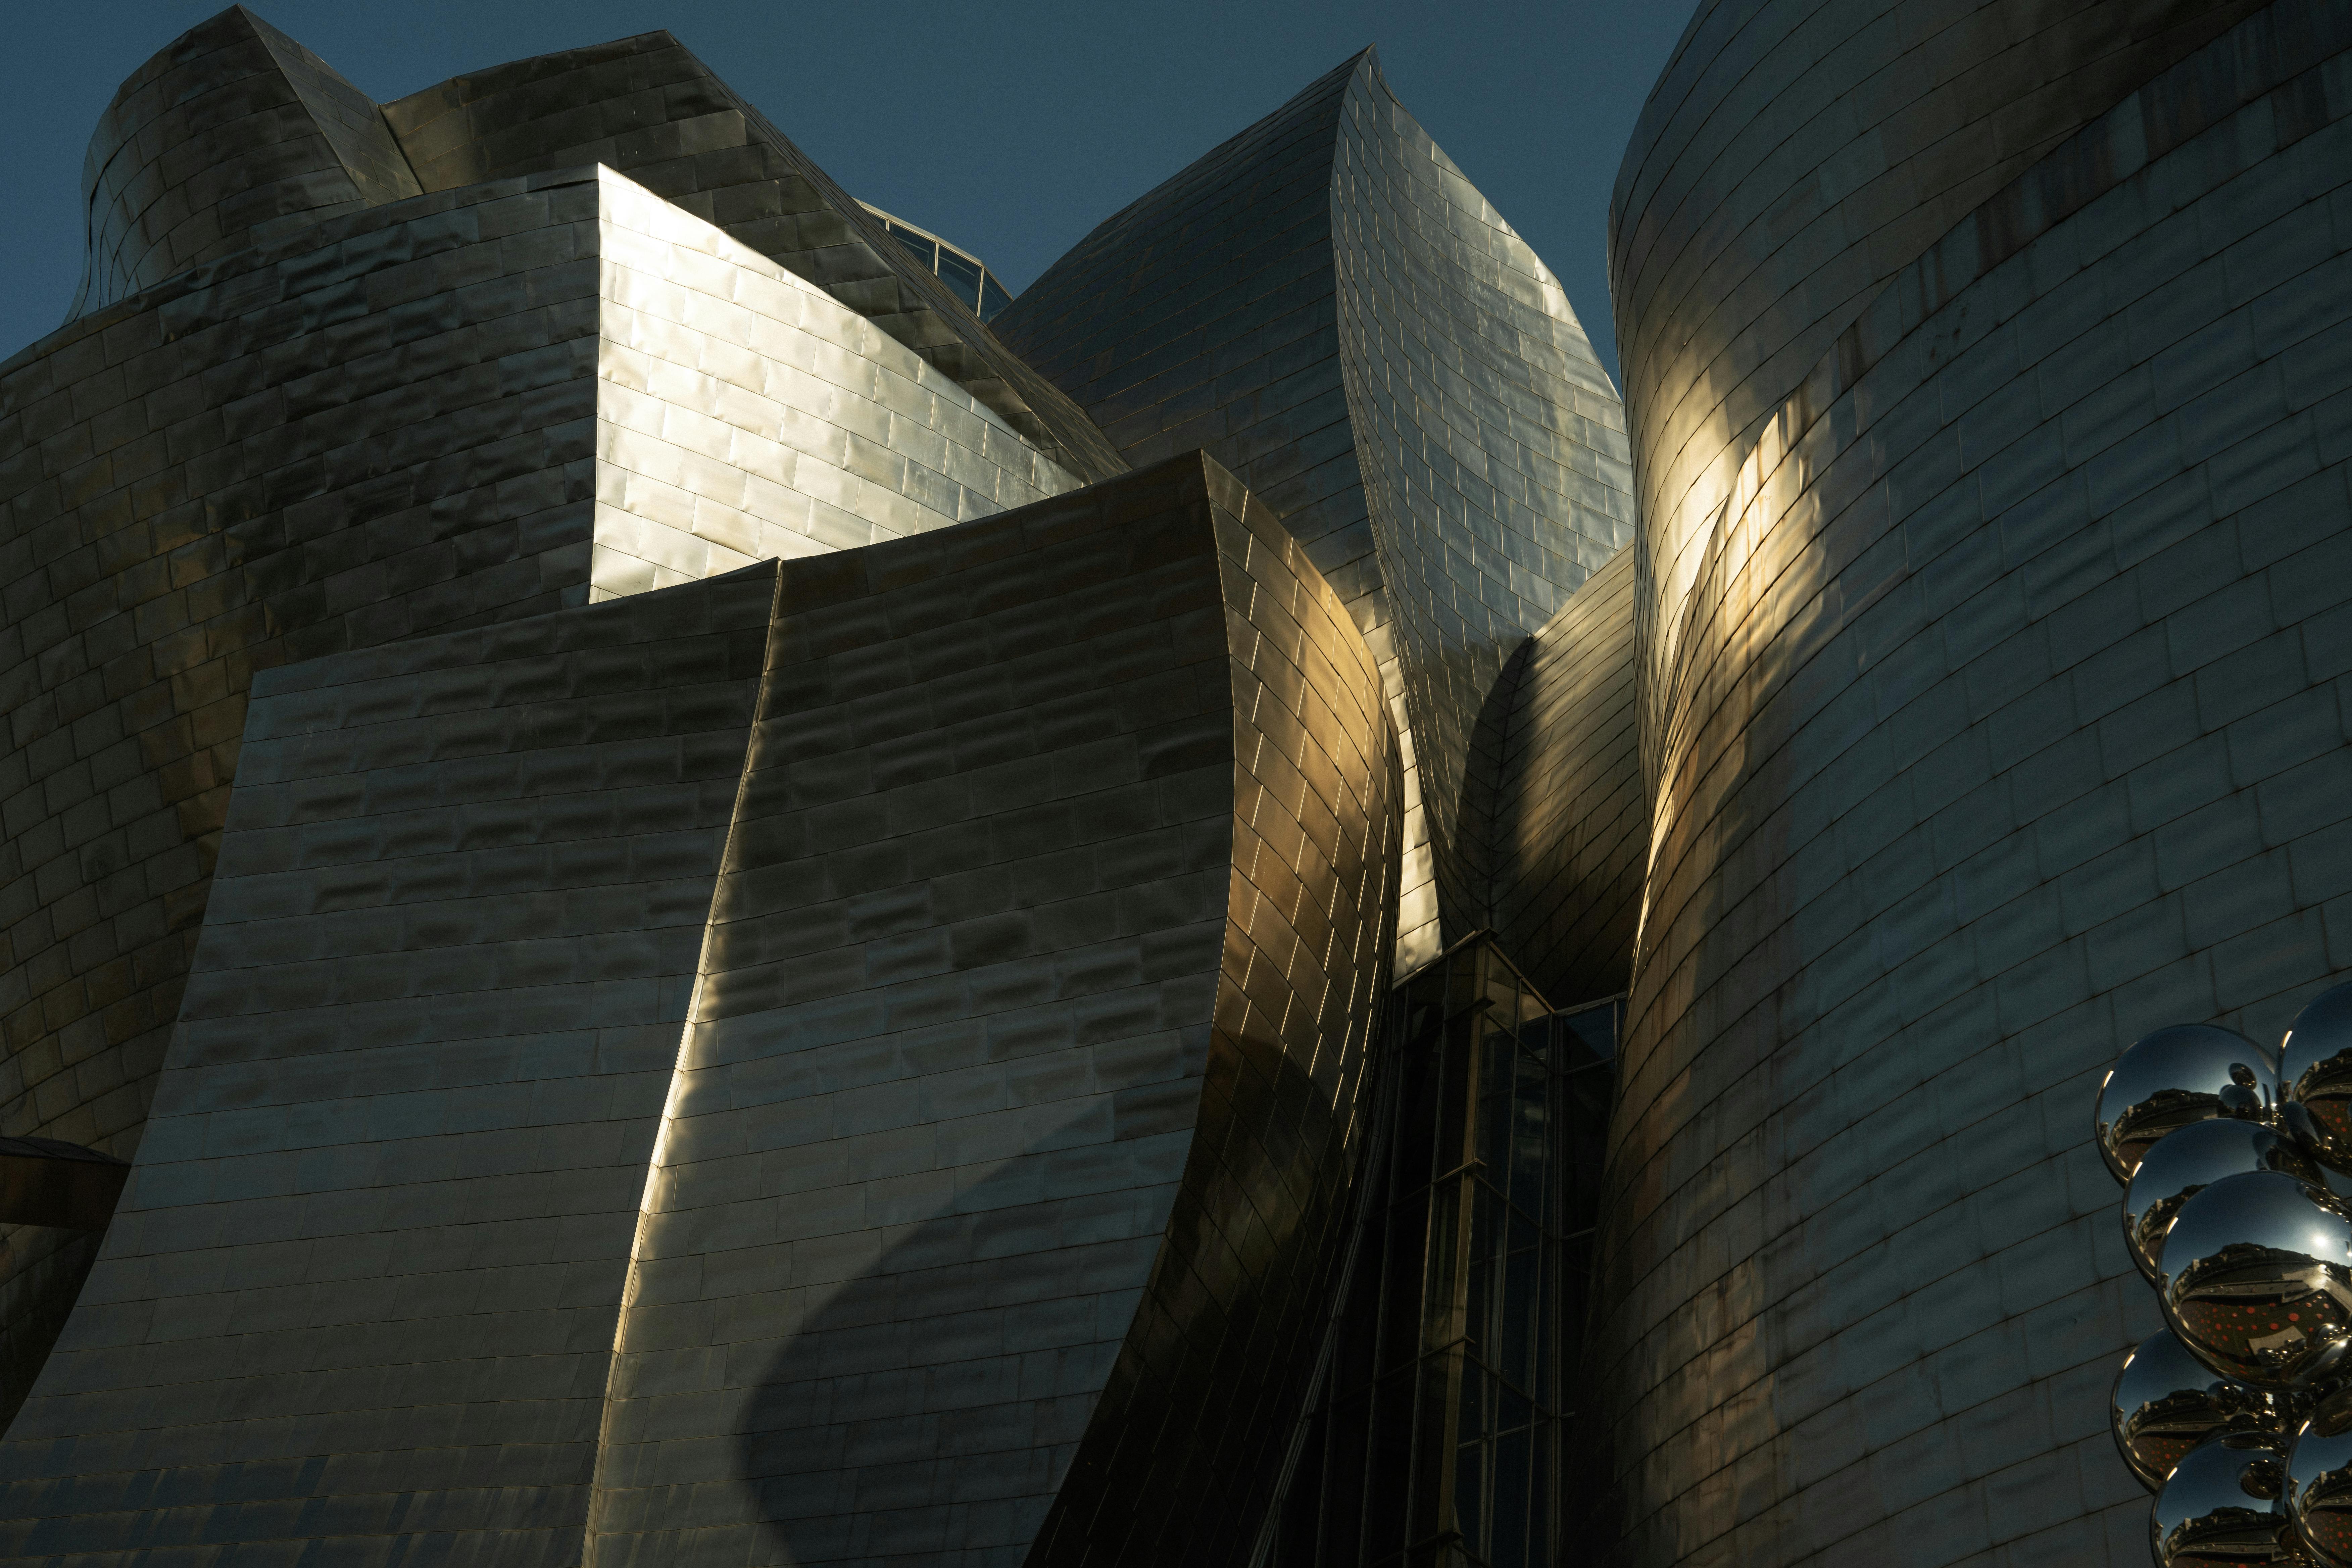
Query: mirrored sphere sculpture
[
  {"x": 2188, "y": 1072},
  {"x": 2256, "y": 1279},
  {"x": 2225, "y": 1504},
  {"x": 2319, "y": 1482},
  {"x": 2165, "y": 1402},
  {"x": 2315, "y": 1067},
  {"x": 2188, "y": 1160}
]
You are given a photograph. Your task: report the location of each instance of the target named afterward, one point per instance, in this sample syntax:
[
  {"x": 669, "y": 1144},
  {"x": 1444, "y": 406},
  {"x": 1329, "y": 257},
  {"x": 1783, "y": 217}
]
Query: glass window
[
  {"x": 960, "y": 273},
  {"x": 1441, "y": 1420},
  {"x": 916, "y": 246},
  {"x": 992, "y": 297}
]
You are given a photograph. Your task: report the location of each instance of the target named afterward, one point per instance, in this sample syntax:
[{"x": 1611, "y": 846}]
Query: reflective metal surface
[
  {"x": 1328, "y": 306},
  {"x": 2256, "y": 1279},
  {"x": 1553, "y": 833},
  {"x": 390, "y": 419},
  {"x": 2316, "y": 1069},
  {"x": 2319, "y": 1483},
  {"x": 2188, "y": 1159},
  {"x": 2165, "y": 1402},
  {"x": 747, "y": 1009},
  {"x": 233, "y": 132},
  {"x": 2177, "y": 1075},
  {"x": 2225, "y": 1505},
  {"x": 648, "y": 108},
  {"x": 659, "y": 1057},
  {"x": 1983, "y": 732}
]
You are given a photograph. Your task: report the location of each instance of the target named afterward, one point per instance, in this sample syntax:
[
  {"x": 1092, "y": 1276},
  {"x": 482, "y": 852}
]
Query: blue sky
[{"x": 1010, "y": 129}]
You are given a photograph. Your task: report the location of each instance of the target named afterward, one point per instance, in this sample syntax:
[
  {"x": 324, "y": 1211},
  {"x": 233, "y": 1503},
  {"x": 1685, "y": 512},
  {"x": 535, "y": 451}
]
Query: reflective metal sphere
[
  {"x": 2316, "y": 1069},
  {"x": 2319, "y": 1482},
  {"x": 2256, "y": 1279},
  {"x": 2165, "y": 1402},
  {"x": 2190, "y": 1072},
  {"x": 2186, "y": 1161},
  {"x": 2224, "y": 1506}
]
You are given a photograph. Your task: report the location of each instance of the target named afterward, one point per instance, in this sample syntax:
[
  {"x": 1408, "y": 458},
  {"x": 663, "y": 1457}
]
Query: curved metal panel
[
  {"x": 229, "y": 134},
  {"x": 743, "y": 414},
  {"x": 1554, "y": 826},
  {"x": 1795, "y": 156},
  {"x": 464, "y": 407},
  {"x": 222, "y": 475},
  {"x": 360, "y": 1296},
  {"x": 1329, "y": 308},
  {"x": 1022, "y": 1084},
  {"x": 2002, "y": 724},
  {"x": 646, "y": 107}
]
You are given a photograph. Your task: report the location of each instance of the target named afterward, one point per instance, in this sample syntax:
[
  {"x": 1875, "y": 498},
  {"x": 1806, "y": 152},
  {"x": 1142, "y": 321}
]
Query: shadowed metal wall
[
  {"x": 965, "y": 1183},
  {"x": 646, "y": 107},
  {"x": 364, "y": 1285},
  {"x": 990, "y": 1212},
  {"x": 1330, "y": 308},
  {"x": 1554, "y": 826},
  {"x": 233, "y": 133},
  {"x": 464, "y": 406},
  {"x": 2003, "y": 719}
]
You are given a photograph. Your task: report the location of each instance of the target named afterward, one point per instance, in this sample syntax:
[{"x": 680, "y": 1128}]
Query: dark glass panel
[
  {"x": 1476, "y": 1210},
  {"x": 920, "y": 248},
  {"x": 960, "y": 273},
  {"x": 992, "y": 297}
]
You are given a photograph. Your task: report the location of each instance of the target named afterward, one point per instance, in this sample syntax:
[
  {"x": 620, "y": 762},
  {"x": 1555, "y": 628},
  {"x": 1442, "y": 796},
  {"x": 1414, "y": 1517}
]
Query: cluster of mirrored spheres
[{"x": 2238, "y": 1414}]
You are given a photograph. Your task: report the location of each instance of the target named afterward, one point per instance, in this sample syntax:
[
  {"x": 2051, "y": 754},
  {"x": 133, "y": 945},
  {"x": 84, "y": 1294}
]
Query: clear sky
[{"x": 1010, "y": 128}]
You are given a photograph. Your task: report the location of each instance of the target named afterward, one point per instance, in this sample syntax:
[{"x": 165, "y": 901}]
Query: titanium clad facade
[
  {"x": 1021, "y": 1089},
  {"x": 234, "y": 132},
  {"x": 656, "y": 913},
  {"x": 646, "y": 107},
  {"x": 365, "y": 1282},
  {"x": 583, "y": 1135},
  {"x": 1329, "y": 308},
  {"x": 1794, "y": 158},
  {"x": 1554, "y": 826},
  {"x": 1998, "y": 717},
  {"x": 743, "y": 414},
  {"x": 467, "y": 406}
]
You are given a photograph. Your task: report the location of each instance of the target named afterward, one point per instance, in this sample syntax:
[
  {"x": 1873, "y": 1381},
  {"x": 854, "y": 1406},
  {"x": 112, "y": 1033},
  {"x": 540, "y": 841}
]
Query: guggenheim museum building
[{"x": 680, "y": 885}]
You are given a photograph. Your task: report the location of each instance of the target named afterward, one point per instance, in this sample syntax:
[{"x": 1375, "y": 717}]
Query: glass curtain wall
[{"x": 1438, "y": 1433}]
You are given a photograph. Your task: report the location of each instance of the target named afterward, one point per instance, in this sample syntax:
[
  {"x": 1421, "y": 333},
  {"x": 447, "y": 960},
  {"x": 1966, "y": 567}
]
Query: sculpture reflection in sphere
[
  {"x": 2165, "y": 1402},
  {"x": 2225, "y": 1504},
  {"x": 2319, "y": 1482},
  {"x": 2186, "y": 1073},
  {"x": 2315, "y": 1067},
  {"x": 2256, "y": 1279},
  {"x": 2186, "y": 1161}
]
